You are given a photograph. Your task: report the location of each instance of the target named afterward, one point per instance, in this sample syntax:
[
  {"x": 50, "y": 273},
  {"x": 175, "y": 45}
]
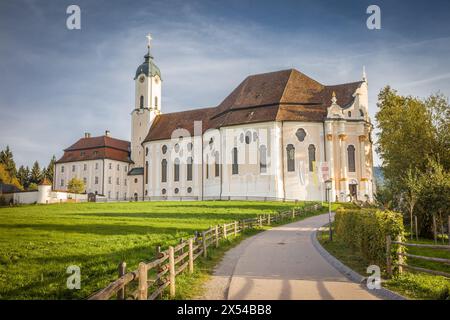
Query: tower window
[
  {"x": 312, "y": 157},
  {"x": 351, "y": 158},
  {"x": 156, "y": 101},
  {"x": 349, "y": 114},
  {"x": 141, "y": 102},
  {"x": 290, "y": 153},
  {"x": 146, "y": 172}
]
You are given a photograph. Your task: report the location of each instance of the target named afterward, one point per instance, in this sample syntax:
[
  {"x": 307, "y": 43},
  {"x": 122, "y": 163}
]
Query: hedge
[{"x": 365, "y": 231}]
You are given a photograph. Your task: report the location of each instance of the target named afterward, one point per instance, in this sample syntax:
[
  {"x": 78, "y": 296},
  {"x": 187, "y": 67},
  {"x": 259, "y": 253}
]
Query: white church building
[{"x": 278, "y": 136}]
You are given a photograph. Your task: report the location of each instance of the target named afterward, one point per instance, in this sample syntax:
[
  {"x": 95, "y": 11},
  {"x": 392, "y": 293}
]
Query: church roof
[
  {"x": 94, "y": 148},
  {"x": 286, "y": 95},
  {"x": 148, "y": 67}
]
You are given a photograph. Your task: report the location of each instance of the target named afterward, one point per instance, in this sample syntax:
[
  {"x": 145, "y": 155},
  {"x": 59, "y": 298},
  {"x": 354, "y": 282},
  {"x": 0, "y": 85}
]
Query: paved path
[{"x": 281, "y": 263}]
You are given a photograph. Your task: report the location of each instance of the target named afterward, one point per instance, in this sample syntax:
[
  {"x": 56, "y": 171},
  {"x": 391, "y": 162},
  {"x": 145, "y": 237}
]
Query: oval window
[{"x": 301, "y": 134}]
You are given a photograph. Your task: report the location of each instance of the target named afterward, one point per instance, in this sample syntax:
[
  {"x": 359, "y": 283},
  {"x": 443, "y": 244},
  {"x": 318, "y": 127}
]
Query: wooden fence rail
[
  {"x": 171, "y": 262},
  {"x": 401, "y": 254}
]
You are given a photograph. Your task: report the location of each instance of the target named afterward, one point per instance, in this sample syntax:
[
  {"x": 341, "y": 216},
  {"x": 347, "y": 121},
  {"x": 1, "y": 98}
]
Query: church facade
[{"x": 278, "y": 135}]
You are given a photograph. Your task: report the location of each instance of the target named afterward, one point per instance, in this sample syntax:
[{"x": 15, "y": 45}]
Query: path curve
[{"x": 281, "y": 263}]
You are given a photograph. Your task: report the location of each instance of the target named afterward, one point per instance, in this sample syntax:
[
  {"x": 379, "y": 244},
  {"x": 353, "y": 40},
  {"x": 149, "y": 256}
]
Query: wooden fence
[
  {"x": 401, "y": 254},
  {"x": 176, "y": 259}
]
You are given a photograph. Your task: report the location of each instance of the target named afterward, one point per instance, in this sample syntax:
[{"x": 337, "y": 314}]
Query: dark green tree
[
  {"x": 48, "y": 172},
  {"x": 36, "y": 174},
  {"x": 7, "y": 159}
]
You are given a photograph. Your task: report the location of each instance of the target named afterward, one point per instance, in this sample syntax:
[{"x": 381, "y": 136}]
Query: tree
[
  {"x": 48, "y": 172},
  {"x": 36, "y": 174},
  {"x": 405, "y": 123},
  {"x": 7, "y": 179},
  {"x": 412, "y": 192},
  {"x": 434, "y": 199},
  {"x": 32, "y": 187},
  {"x": 6, "y": 158},
  {"x": 23, "y": 176},
  {"x": 75, "y": 185}
]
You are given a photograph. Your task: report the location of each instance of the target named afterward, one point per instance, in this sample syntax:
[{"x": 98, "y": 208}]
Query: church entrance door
[
  {"x": 135, "y": 196},
  {"x": 353, "y": 191}
]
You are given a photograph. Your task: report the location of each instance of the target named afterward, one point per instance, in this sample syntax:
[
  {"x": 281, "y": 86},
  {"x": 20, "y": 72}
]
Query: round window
[
  {"x": 164, "y": 149},
  {"x": 135, "y": 180},
  {"x": 163, "y": 191},
  {"x": 189, "y": 190},
  {"x": 176, "y": 190},
  {"x": 176, "y": 147}
]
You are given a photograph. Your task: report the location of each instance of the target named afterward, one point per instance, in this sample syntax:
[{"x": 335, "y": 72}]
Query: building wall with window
[{"x": 103, "y": 176}]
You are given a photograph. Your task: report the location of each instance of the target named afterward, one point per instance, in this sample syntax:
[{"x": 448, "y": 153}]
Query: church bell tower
[{"x": 147, "y": 104}]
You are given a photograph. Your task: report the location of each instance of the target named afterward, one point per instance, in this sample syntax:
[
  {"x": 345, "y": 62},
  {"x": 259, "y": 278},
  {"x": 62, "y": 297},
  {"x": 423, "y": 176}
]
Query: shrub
[{"x": 365, "y": 230}]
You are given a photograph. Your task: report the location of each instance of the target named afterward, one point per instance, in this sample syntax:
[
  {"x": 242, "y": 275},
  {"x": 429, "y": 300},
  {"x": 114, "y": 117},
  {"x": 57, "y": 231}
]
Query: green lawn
[
  {"x": 414, "y": 285},
  {"x": 38, "y": 243}
]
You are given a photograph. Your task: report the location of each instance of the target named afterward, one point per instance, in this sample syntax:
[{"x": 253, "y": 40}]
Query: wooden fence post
[
  {"x": 388, "y": 256},
  {"x": 122, "y": 291},
  {"x": 205, "y": 254},
  {"x": 434, "y": 229},
  {"x": 143, "y": 288},
  {"x": 191, "y": 255},
  {"x": 159, "y": 268},
  {"x": 399, "y": 255},
  {"x": 268, "y": 220},
  {"x": 217, "y": 236},
  {"x": 235, "y": 228},
  {"x": 172, "y": 271},
  {"x": 224, "y": 231},
  {"x": 417, "y": 228}
]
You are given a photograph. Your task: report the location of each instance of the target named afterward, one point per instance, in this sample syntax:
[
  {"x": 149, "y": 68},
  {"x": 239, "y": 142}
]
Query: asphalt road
[{"x": 281, "y": 263}]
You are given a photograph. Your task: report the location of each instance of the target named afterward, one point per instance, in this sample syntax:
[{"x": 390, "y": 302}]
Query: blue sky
[{"x": 57, "y": 83}]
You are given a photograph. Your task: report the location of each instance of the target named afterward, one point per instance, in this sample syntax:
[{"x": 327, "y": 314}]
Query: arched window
[
  {"x": 189, "y": 169},
  {"x": 290, "y": 154},
  {"x": 176, "y": 170},
  {"x": 141, "y": 102},
  {"x": 216, "y": 164},
  {"x": 263, "y": 159},
  {"x": 349, "y": 114},
  {"x": 311, "y": 156},
  {"x": 156, "y": 101},
  {"x": 351, "y": 158},
  {"x": 235, "y": 166},
  {"x": 146, "y": 172},
  {"x": 164, "y": 170}
]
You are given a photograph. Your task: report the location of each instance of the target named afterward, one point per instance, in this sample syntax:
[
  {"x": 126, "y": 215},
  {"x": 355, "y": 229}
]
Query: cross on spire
[{"x": 149, "y": 43}]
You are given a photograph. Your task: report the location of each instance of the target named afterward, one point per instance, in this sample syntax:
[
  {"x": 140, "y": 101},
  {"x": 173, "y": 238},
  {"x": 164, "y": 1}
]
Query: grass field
[
  {"x": 38, "y": 243},
  {"x": 414, "y": 285}
]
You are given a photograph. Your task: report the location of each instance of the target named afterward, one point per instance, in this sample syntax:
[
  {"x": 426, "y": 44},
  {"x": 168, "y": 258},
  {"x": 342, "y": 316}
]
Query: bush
[{"x": 365, "y": 230}]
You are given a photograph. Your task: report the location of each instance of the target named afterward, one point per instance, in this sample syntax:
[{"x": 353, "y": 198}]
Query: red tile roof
[
  {"x": 286, "y": 95},
  {"x": 94, "y": 148}
]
